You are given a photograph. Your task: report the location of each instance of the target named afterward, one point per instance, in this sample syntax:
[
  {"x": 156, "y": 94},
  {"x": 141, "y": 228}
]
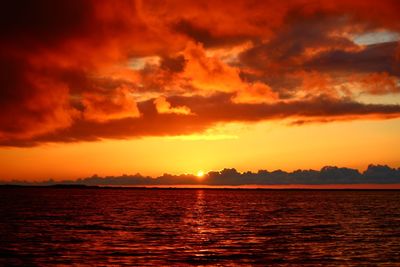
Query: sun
[{"x": 200, "y": 174}]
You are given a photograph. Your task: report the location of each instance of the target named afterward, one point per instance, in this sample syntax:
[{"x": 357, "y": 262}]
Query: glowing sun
[{"x": 200, "y": 174}]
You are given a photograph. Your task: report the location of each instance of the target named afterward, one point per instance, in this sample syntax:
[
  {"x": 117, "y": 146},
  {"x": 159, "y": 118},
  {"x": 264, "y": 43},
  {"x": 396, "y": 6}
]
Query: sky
[{"x": 123, "y": 87}]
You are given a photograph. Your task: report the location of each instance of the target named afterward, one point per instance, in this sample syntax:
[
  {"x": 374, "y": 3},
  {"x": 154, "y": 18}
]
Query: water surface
[{"x": 48, "y": 226}]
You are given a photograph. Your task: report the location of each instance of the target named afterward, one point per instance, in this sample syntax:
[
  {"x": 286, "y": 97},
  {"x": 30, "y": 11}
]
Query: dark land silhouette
[{"x": 374, "y": 174}]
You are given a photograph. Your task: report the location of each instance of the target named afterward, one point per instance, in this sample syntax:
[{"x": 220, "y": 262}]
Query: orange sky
[{"x": 179, "y": 86}]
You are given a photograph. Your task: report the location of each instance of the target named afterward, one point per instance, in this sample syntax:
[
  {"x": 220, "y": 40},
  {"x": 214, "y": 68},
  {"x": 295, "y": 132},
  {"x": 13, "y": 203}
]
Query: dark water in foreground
[{"x": 198, "y": 227}]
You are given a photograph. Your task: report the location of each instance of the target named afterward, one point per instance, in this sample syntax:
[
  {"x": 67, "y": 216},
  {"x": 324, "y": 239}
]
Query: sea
[{"x": 198, "y": 227}]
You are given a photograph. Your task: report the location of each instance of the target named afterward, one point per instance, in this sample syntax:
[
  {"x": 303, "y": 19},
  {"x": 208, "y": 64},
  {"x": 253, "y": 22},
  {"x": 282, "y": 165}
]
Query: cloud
[
  {"x": 210, "y": 111},
  {"x": 209, "y": 74},
  {"x": 207, "y": 37},
  {"x": 87, "y": 70},
  {"x": 103, "y": 107},
  {"x": 164, "y": 107},
  {"x": 328, "y": 175},
  {"x": 255, "y": 93},
  {"x": 31, "y": 102},
  {"x": 173, "y": 64},
  {"x": 380, "y": 83},
  {"x": 372, "y": 58}
]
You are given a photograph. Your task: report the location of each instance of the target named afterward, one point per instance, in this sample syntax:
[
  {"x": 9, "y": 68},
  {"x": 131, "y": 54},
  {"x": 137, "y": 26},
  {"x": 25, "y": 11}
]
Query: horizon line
[{"x": 294, "y": 187}]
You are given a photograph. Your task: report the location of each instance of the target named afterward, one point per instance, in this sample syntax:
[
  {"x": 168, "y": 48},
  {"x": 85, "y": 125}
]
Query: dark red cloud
[
  {"x": 87, "y": 70},
  {"x": 373, "y": 58},
  {"x": 209, "y": 111},
  {"x": 207, "y": 37}
]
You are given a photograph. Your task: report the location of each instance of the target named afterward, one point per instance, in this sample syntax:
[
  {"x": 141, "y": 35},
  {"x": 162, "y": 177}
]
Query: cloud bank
[
  {"x": 329, "y": 175},
  {"x": 88, "y": 70}
]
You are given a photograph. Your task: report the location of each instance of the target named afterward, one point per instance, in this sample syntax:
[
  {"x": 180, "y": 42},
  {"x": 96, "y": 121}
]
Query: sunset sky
[{"x": 112, "y": 87}]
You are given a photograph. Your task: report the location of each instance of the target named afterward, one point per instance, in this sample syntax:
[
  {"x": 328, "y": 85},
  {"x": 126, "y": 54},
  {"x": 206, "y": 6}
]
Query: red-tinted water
[{"x": 40, "y": 226}]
